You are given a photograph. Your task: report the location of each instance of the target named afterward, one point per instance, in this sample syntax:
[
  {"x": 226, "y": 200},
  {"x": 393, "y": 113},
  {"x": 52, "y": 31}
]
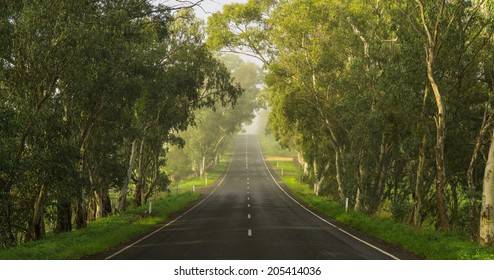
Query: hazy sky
[{"x": 207, "y": 7}]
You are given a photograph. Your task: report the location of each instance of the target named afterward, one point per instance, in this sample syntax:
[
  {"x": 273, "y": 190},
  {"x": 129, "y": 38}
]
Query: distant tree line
[
  {"x": 214, "y": 130},
  {"x": 389, "y": 103},
  {"x": 91, "y": 93}
]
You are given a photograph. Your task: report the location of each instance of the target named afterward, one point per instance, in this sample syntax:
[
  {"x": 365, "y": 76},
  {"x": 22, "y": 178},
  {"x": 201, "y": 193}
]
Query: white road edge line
[
  {"x": 176, "y": 219},
  {"x": 319, "y": 217}
]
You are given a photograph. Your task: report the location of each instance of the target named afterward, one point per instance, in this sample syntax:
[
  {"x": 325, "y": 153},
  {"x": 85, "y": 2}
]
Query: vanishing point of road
[{"x": 250, "y": 215}]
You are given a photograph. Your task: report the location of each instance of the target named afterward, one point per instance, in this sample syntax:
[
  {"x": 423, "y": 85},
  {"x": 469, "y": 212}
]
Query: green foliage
[
  {"x": 102, "y": 234},
  {"x": 207, "y": 140},
  {"x": 424, "y": 242},
  {"x": 80, "y": 82},
  {"x": 348, "y": 90}
]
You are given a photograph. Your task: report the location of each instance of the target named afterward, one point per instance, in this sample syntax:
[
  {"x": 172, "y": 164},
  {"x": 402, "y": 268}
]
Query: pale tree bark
[
  {"x": 361, "y": 175},
  {"x": 317, "y": 183},
  {"x": 486, "y": 232},
  {"x": 484, "y": 129},
  {"x": 35, "y": 230},
  {"x": 125, "y": 188},
  {"x": 432, "y": 35},
  {"x": 140, "y": 183},
  {"x": 202, "y": 169}
]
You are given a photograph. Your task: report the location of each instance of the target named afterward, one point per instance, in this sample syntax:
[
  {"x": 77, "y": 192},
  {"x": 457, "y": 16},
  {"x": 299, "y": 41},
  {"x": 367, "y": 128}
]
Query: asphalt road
[{"x": 250, "y": 216}]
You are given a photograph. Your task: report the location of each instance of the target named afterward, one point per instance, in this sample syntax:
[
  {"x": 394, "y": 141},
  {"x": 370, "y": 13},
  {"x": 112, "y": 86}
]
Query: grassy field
[{"x": 427, "y": 243}]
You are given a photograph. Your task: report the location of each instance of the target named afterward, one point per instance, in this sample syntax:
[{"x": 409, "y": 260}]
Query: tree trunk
[
  {"x": 35, "y": 230},
  {"x": 102, "y": 204},
  {"x": 430, "y": 48},
  {"x": 472, "y": 211},
  {"x": 381, "y": 176},
  {"x": 339, "y": 173},
  {"x": 154, "y": 179},
  {"x": 202, "y": 169},
  {"x": 418, "y": 191},
  {"x": 141, "y": 178},
  {"x": 80, "y": 213},
  {"x": 64, "y": 217},
  {"x": 125, "y": 187},
  {"x": 361, "y": 174},
  {"x": 486, "y": 230},
  {"x": 442, "y": 208},
  {"x": 316, "y": 187}
]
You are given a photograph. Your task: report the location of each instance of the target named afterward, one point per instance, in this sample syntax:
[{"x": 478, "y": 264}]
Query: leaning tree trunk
[
  {"x": 486, "y": 231},
  {"x": 432, "y": 31},
  {"x": 35, "y": 230},
  {"x": 442, "y": 209}
]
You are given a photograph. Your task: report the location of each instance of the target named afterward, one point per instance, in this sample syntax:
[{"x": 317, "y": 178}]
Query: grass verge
[
  {"x": 423, "y": 242},
  {"x": 108, "y": 232},
  {"x": 212, "y": 176},
  {"x": 102, "y": 234}
]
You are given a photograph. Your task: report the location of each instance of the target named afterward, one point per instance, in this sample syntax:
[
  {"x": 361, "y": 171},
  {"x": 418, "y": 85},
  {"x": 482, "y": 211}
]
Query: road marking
[
  {"x": 176, "y": 219},
  {"x": 248, "y": 216},
  {"x": 248, "y": 205},
  {"x": 248, "y": 187},
  {"x": 249, "y": 232},
  {"x": 248, "y": 193},
  {"x": 248, "y": 198},
  {"x": 317, "y": 216}
]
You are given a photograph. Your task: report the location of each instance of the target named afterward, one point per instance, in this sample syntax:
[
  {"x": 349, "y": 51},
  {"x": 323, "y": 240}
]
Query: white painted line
[
  {"x": 248, "y": 205},
  {"x": 248, "y": 198},
  {"x": 249, "y": 232},
  {"x": 319, "y": 217},
  {"x": 248, "y": 216},
  {"x": 176, "y": 219}
]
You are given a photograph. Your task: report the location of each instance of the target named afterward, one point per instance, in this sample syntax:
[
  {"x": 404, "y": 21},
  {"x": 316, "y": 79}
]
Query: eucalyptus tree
[
  {"x": 206, "y": 140},
  {"x": 80, "y": 82}
]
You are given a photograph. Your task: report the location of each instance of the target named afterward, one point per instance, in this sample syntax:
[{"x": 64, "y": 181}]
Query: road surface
[{"x": 250, "y": 216}]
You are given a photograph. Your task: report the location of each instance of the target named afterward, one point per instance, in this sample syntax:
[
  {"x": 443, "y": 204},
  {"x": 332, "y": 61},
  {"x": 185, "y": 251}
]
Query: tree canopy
[
  {"x": 90, "y": 94},
  {"x": 387, "y": 102}
]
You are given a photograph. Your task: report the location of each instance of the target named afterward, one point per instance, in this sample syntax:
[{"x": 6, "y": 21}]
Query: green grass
[
  {"x": 212, "y": 175},
  {"x": 424, "y": 242},
  {"x": 112, "y": 231},
  {"x": 102, "y": 234}
]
